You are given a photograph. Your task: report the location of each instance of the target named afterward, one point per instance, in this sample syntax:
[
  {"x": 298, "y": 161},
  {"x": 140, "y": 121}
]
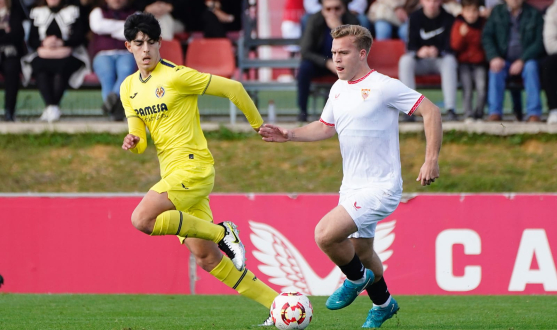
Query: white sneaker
[
  {"x": 46, "y": 113},
  {"x": 268, "y": 322},
  {"x": 54, "y": 114},
  {"x": 232, "y": 246},
  {"x": 552, "y": 119},
  {"x": 469, "y": 120}
]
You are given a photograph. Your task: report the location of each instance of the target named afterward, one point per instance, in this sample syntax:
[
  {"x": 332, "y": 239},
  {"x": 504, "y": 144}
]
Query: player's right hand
[
  {"x": 130, "y": 141},
  {"x": 272, "y": 133}
]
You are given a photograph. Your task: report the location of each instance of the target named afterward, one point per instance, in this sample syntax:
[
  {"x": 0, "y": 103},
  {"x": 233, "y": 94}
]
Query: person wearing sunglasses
[{"x": 316, "y": 46}]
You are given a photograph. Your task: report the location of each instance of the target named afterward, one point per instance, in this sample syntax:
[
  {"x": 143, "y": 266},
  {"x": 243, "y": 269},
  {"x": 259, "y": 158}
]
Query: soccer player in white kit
[{"x": 363, "y": 108}]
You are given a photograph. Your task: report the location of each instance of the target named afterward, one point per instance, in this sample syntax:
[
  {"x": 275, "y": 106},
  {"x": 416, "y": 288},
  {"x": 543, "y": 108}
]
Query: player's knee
[
  {"x": 322, "y": 238},
  {"x": 141, "y": 222}
]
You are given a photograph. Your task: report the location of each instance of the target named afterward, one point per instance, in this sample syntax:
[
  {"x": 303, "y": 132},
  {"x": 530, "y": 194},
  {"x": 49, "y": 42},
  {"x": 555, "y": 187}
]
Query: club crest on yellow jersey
[
  {"x": 365, "y": 93},
  {"x": 159, "y": 92}
]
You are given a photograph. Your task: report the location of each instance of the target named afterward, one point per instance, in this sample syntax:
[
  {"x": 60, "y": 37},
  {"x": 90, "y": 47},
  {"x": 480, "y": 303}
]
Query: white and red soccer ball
[{"x": 291, "y": 310}]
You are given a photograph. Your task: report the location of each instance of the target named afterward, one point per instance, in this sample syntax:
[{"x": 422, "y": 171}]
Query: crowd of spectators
[
  {"x": 56, "y": 43},
  {"x": 484, "y": 44},
  {"x": 480, "y": 43}
]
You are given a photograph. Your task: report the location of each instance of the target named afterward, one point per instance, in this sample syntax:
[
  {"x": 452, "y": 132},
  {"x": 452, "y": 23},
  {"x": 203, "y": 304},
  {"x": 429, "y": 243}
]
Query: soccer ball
[{"x": 291, "y": 310}]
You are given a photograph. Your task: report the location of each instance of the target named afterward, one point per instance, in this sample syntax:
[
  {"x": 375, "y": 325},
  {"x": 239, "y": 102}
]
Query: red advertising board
[{"x": 432, "y": 244}]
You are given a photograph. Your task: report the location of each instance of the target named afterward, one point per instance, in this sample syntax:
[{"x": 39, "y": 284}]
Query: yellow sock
[
  {"x": 186, "y": 225},
  {"x": 244, "y": 282}
]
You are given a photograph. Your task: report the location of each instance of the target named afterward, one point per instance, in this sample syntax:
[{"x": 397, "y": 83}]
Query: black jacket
[
  {"x": 313, "y": 38},
  {"x": 424, "y": 31},
  {"x": 16, "y": 35},
  {"x": 495, "y": 37}
]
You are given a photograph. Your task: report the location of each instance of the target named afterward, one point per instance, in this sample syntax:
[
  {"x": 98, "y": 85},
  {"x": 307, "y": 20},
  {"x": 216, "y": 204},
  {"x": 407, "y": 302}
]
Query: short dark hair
[
  {"x": 142, "y": 22},
  {"x": 470, "y": 3}
]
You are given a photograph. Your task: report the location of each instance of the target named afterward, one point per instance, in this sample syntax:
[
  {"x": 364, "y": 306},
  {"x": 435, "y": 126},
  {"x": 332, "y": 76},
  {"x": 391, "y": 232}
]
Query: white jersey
[{"x": 364, "y": 113}]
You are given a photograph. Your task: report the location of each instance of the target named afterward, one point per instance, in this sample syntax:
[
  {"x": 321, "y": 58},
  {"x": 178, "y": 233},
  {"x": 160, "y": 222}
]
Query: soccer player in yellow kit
[{"x": 163, "y": 96}]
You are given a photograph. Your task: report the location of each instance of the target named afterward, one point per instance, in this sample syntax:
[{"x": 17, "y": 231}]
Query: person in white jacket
[{"x": 549, "y": 66}]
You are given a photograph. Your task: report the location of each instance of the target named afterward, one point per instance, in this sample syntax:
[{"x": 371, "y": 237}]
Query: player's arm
[
  {"x": 136, "y": 140},
  {"x": 434, "y": 136},
  {"x": 312, "y": 132},
  {"x": 235, "y": 92}
]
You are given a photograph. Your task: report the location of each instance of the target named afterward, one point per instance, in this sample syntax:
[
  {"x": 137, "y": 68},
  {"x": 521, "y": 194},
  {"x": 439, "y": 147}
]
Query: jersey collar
[
  {"x": 155, "y": 69},
  {"x": 364, "y": 77}
]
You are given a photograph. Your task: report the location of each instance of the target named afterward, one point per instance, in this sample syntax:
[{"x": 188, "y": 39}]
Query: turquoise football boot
[
  {"x": 348, "y": 292},
  {"x": 377, "y": 315}
]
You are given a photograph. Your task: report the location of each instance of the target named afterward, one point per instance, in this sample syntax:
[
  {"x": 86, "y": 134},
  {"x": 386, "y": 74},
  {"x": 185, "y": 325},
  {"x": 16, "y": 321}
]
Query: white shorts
[{"x": 367, "y": 207}]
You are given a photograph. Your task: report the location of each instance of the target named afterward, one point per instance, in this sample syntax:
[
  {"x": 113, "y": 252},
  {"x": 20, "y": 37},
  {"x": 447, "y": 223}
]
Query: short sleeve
[
  {"x": 189, "y": 81},
  {"x": 327, "y": 116},
  {"x": 400, "y": 97}
]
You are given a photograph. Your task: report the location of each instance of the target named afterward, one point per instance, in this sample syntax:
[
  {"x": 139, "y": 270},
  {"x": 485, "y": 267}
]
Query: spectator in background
[
  {"x": 213, "y": 17},
  {"x": 409, "y": 7},
  {"x": 429, "y": 51},
  {"x": 85, "y": 8},
  {"x": 513, "y": 43},
  {"x": 466, "y": 41},
  {"x": 162, "y": 10},
  {"x": 357, "y": 7},
  {"x": 387, "y": 15},
  {"x": 60, "y": 58},
  {"x": 291, "y": 27},
  {"x": 316, "y": 47},
  {"x": 516, "y": 94},
  {"x": 485, "y": 11},
  {"x": 452, "y": 7},
  {"x": 111, "y": 60},
  {"x": 12, "y": 47},
  {"x": 549, "y": 66}
]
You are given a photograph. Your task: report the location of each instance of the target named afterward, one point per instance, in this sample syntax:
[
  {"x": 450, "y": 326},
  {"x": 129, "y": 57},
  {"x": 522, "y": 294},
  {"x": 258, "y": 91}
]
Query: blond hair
[{"x": 362, "y": 36}]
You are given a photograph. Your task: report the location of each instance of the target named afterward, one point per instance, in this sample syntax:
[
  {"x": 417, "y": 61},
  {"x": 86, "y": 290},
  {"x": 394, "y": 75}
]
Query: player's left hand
[
  {"x": 428, "y": 173},
  {"x": 130, "y": 141}
]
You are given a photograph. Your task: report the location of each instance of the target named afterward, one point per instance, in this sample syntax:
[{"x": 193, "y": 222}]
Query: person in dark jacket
[
  {"x": 316, "y": 46},
  {"x": 11, "y": 50},
  {"x": 429, "y": 51},
  {"x": 212, "y": 17},
  {"x": 513, "y": 43}
]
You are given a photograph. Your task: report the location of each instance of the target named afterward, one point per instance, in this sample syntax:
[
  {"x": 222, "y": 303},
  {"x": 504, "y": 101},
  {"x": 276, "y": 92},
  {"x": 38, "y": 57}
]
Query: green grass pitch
[{"x": 135, "y": 312}]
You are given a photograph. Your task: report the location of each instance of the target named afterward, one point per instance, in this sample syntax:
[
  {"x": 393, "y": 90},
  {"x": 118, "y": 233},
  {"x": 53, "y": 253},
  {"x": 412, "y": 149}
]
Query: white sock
[
  {"x": 360, "y": 281},
  {"x": 385, "y": 304}
]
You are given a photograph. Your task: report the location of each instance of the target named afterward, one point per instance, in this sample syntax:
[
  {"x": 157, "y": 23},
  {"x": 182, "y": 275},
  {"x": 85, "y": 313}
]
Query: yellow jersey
[{"x": 166, "y": 102}]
